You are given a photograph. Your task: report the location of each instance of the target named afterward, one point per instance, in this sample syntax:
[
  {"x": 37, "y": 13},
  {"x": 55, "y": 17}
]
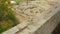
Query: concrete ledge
[{"x": 49, "y": 26}]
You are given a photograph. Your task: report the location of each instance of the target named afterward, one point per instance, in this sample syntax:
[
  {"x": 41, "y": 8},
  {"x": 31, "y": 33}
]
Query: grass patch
[{"x": 7, "y": 16}]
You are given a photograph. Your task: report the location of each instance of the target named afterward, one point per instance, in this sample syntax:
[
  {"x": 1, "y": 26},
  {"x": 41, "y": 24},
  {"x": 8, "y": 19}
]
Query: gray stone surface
[{"x": 50, "y": 25}]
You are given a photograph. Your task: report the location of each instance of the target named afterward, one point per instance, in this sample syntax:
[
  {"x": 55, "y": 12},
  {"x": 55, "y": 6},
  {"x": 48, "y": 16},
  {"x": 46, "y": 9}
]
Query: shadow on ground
[{"x": 57, "y": 29}]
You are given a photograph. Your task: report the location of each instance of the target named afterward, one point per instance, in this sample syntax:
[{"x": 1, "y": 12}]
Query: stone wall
[{"x": 39, "y": 16}]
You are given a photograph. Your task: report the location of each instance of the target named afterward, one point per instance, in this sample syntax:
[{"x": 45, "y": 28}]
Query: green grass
[
  {"x": 7, "y": 23},
  {"x": 7, "y": 16}
]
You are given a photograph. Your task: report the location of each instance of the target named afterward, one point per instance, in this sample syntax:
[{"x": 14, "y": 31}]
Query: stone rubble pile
[{"x": 28, "y": 11}]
